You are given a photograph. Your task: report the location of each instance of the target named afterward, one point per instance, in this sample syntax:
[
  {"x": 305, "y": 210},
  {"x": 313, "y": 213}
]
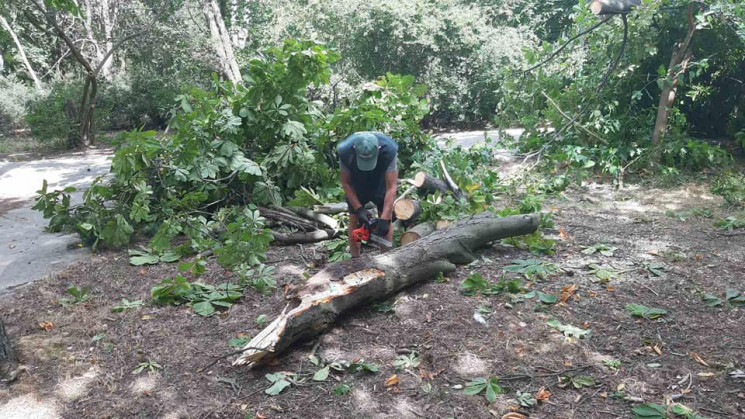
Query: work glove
[
  {"x": 363, "y": 215},
  {"x": 382, "y": 227}
]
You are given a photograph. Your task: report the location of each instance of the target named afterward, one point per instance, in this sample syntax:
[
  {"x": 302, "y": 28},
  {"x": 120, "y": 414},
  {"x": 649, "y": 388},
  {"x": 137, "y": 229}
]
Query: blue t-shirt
[{"x": 369, "y": 183}]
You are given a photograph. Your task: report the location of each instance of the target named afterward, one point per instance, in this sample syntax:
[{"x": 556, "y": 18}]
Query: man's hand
[
  {"x": 363, "y": 215},
  {"x": 381, "y": 227}
]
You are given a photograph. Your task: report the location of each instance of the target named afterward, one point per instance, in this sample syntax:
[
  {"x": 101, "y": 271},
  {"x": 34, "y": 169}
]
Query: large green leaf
[{"x": 203, "y": 308}]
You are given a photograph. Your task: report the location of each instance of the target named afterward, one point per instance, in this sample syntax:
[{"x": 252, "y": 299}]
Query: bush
[
  {"x": 53, "y": 116},
  {"x": 14, "y": 96}
]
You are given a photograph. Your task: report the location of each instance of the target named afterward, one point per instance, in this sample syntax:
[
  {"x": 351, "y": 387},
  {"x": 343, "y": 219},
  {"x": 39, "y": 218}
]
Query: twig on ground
[
  {"x": 552, "y": 374},
  {"x": 653, "y": 291}
]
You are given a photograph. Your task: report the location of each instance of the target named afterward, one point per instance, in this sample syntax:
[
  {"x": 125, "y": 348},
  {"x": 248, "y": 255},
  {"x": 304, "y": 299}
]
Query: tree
[
  {"x": 6, "y": 26},
  {"x": 221, "y": 44}
]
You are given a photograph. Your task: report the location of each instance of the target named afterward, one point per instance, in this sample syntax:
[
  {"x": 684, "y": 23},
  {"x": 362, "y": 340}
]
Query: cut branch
[
  {"x": 407, "y": 209},
  {"x": 345, "y": 285},
  {"x": 457, "y": 192},
  {"x": 417, "y": 232},
  {"x": 573, "y": 120},
  {"x": 314, "y": 236},
  {"x": 613, "y": 7}
]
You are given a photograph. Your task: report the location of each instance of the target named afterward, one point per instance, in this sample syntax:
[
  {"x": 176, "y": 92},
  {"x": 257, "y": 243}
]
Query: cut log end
[
  {"x": 407, "y": 209},
  {"x": 417, "y": 232}
]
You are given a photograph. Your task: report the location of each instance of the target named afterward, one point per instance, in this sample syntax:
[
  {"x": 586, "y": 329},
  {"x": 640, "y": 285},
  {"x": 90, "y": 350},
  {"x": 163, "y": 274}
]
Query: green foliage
[
  {"x": 601, "y": 248},
  {"x": 638, "y": 310},
  {"x": 149, "y": 365},
  {"x": 612, "y": 364},
  {"x": 568, "y": 330},
  {"x": 730, "y": 223},
  {"x": 280, "y": 381},
  {"x": 531, "y": 268},
  {"x": 732, "y": 297},
  {"x": 489, "y": 386},
  {"x": 730, "y": 185},
  {"x": 342, "y": 389},
  {"x": 79, "y": 295},
  {"x": 576, "y": 381},
  {"x": 402, "y": 362},
  {"x": 337, "y": 250},
  {"x": 525, "y": 399},
  {"x": 14, "y": 97},
  {"x": 203, "y": 299}
]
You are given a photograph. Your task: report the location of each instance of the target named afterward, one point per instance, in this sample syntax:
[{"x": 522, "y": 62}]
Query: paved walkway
[{"x": 27, "y": 252}]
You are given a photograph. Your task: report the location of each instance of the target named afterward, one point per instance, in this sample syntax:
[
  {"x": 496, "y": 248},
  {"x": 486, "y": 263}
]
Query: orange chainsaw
[{"x": 363, "y": 234}]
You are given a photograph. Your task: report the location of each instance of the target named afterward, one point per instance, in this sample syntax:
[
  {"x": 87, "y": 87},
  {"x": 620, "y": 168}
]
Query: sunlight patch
[
  {"x": 29, "y": 406},
  {"x": 74, "y": 388}
]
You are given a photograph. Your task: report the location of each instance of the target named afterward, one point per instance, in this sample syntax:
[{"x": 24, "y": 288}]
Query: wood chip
[
  {"x": 696, "y": 357},
  {"x": 392, "y": 380}
]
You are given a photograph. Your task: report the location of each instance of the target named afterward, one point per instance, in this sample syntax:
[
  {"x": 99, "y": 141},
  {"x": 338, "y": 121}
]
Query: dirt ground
[{"x": 82, "y": 366}]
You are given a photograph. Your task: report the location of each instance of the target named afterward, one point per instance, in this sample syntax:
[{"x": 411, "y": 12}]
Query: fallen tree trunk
[
  {"x": 407, "y": 209},
  {"x": 316, "y": 216},
  {"x": 330, "y": 209},
  {"x": 348, "y": 284},
  {"x": 613, "y": 7},
  {"x": 302, "y": 237},
  {"x": 417, "y": 232}
]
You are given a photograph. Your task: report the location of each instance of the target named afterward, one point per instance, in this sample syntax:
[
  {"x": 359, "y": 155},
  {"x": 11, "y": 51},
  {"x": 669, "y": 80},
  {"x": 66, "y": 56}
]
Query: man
[{"x": 369, "y": 173}]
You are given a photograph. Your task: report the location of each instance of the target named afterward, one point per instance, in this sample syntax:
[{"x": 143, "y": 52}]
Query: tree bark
[
  {"x": 678, "y": 65},
  {"x": 417, "y": 232},
  {"x": 407, "y": 209},
  {"x": 345, "y": 285},
  {"x": 314, "y": 236},
  {"x": 428, "y": 183},
  {"x": 221, "y": 41},
  {"x": 613, "y": 7},
  {"x": 332, "y": 208},
  {"x": 37, "y": 83},
  {"x": 7, "y": 357}
]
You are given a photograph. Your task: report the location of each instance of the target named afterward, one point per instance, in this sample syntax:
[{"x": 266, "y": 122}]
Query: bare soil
[{"x": 685, "y": 356}]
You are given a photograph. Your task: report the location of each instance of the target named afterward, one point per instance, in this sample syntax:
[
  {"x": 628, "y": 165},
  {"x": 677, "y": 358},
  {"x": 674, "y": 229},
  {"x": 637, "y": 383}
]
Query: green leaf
[
  {"x": 342, "y": 389},
  {"x": 583, "y": 381},
  {"x": 731, "y": 294},
  {"x": 638, "y": 310},
  {"x": 568, "y": 330},
  {"x": 203, "y": 308},
  {"x": 277, "y": 387},
  {"x": 493, "y": 389},
  {"x": 148, "y": 259},
  {"x": 261, "y": 319},
  {"x": 322, "y": 374},
  {"x": 649, "y": 411},
  {"x": 547, "y": 298},
  {"x": 475, "y": 387},
  {"x": 238, "y": 342},
  {"x": 169, "y": 257},
  {"x": 712, "y": 300}
]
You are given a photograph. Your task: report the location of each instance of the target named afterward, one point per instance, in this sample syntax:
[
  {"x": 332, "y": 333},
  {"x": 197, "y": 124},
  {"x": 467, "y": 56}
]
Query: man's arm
[
  {"x": 346, "y": 183},
  {"x": 391, "y": 185}
]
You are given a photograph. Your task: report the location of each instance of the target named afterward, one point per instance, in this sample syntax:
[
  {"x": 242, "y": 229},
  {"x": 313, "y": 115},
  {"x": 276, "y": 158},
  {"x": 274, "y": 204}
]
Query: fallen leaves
[
  {"x": 392, "y": 380},
  {"x": 567, "y": 291},
  {"x": 47, "y": 326},
  {"x": 696, "y": 357},
  {"x": 542, "y": 394}
]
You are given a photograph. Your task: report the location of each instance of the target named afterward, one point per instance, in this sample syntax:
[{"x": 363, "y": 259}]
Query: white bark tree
[
  {"x": 21, "y": 52},
  {"x": 221, "y": 44}
]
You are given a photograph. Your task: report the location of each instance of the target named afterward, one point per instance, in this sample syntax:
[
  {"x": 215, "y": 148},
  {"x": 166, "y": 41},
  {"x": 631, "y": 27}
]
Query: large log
[
  {"x": 407, "y": 209},
  {"x": 332, "y": 208},
  {"x": 345, "y": 285},
  {"x": 417, "y": 232},
  {"x": 613, "y": 7}
]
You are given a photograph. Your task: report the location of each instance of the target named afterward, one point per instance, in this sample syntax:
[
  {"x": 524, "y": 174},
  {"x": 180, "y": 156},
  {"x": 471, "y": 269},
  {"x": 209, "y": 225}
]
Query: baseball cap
[{"x": 366, "y": 148}]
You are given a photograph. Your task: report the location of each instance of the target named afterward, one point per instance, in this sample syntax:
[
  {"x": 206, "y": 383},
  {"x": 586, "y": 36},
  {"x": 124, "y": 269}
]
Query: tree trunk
[
  {"x": 417, "y": 232},
  {"x": 613, "y": 7},
  {"x": 332, "y": 208},
  {"x": 345, "y": 285},
  {"x": 678, "y": 65},
  {"x": 407, "y": 209},
  {"x": 37, "y": 83},
  {"x": 427, "y": 183},
  {"x": 7, "y": 358},
  {"x": 221, "y": 41}
]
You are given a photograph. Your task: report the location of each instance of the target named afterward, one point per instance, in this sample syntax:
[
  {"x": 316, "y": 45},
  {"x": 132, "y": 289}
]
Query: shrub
[{"x": 14, "y": 96}]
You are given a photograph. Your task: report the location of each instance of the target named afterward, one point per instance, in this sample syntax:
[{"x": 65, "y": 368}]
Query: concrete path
[{"x": 27, "y": 252}]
